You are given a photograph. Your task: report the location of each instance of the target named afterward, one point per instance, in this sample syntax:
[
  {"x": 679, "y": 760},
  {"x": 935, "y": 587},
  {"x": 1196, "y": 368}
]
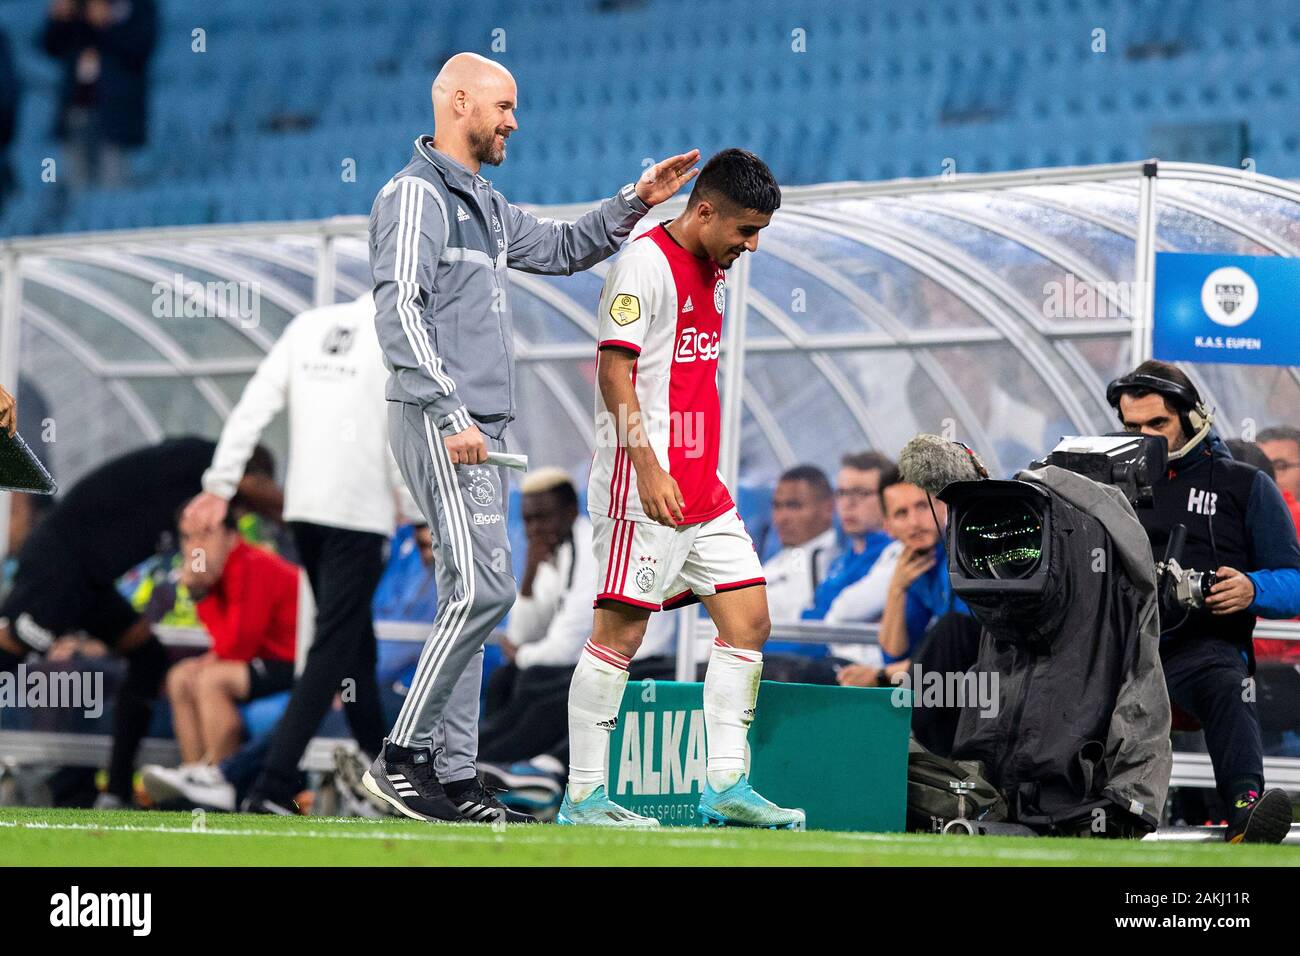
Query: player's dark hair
[
  {"x": 740, "y": 178},
  {"x": 811, "y": 475},
  {"x": 888, "y": 478},
  {"x": 1279, "y": 433},
  {"x": 564, "y": 494},
  {"x": 867, "y": 461}
]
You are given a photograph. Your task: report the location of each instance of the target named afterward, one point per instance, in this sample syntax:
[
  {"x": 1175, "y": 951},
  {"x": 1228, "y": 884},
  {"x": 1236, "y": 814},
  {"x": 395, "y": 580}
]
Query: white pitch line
[
  {"x": 459, "y": 833},
  {"x": 678, "y": 838},
  {"x": 883, "y": 843}
]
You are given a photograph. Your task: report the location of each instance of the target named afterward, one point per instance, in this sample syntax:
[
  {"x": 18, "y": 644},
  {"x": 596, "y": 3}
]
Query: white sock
[
  {"x": 594, "y": 699},
  {"x": 730, "y": 692}
]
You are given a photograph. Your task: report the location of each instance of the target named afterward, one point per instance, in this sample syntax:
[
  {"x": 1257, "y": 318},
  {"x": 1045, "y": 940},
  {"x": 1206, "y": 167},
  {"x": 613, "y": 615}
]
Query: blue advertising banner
[{"x": 1231, "y": 309}]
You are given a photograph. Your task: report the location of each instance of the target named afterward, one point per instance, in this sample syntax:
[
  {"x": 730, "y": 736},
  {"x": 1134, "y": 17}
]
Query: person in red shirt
[
  {"x": 247, "y": 598},
  {"x": 1281, "y": 444},
  {"x": 1276, "y": 452}
]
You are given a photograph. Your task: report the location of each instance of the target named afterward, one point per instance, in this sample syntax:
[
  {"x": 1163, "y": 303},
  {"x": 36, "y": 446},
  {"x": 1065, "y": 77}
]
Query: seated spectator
[
  {"x": 1251, "y": 454},
  {"x": 857, "y": 505},
  {"x": 247, "y": 598},
  {"x": 803, "y": 512},
  {"x": 526, "y": 715},
  {"x": 912, "y": 599},
  {"x": 918, "y": 591},
  {"x": 556, "y": 558},
  {"x": 1277, "y": 678},
  {"x": 1277, "y": 452},
  {"x": 224, "y": 785},
  {"x": 112, "y": 519},
  {"x": 1282, "y": 447}
]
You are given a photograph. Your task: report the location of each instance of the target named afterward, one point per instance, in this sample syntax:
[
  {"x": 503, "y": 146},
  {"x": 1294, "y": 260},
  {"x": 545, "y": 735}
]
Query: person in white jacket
[
  {"x": 803, "y": 515},
  {"x": 342, "y": 498}
]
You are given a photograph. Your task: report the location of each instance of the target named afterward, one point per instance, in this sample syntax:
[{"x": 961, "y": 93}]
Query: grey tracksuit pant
[{"x": 465, "y": 506}]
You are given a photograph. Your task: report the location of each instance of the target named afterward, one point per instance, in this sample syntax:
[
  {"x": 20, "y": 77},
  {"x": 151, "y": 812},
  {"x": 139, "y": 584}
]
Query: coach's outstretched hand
[
  {"x": 662, "y": 180},
  {"x": 467, "y": 448}
]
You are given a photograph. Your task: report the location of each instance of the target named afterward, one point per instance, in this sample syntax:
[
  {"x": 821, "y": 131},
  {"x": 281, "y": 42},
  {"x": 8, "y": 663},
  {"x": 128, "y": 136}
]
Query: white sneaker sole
[
  {"x": 564, "y": 821},
  {"x": 368, "y": 781}
]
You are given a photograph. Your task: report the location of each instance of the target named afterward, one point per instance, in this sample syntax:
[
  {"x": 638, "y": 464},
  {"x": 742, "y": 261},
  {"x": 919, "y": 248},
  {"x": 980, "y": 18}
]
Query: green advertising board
[{"x": 839, "y": 753}]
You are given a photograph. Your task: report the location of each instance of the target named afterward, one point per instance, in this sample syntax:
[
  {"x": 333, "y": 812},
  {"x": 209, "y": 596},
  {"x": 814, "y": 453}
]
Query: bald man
[{"x": 441, "y": 240}]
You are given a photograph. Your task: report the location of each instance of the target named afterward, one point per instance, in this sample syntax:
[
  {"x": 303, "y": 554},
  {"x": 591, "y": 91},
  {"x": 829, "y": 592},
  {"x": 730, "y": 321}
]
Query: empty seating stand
[{"x": 258, "y": 124}]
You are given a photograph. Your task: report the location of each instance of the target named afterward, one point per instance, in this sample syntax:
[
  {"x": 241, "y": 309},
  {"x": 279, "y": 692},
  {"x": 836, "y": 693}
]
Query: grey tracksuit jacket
[{"x": 441, "y": 239}]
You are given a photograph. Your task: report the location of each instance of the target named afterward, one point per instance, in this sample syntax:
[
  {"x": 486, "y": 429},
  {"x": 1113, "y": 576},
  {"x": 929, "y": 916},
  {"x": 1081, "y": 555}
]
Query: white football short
[{"x": 653, "y": 566}]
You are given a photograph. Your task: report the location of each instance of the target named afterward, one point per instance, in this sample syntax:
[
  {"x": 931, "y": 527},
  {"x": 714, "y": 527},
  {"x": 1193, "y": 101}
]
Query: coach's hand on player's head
[
  {"x": 660, "y": 497},
  {"x": 468, "y": 447},
  {"x": 663, "y": 179}
]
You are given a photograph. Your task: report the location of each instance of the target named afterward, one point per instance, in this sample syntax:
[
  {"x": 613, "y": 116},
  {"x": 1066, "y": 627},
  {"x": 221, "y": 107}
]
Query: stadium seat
[{"x": 863, "y": 102}]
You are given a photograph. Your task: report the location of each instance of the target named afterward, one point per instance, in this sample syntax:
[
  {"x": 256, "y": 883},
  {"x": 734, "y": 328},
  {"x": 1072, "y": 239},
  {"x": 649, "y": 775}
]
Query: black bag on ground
[{"x": 934, "y": 799}]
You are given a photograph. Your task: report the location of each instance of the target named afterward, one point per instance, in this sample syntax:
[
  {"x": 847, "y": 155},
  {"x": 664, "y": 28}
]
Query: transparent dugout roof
[{"x": 870, "y": 312}]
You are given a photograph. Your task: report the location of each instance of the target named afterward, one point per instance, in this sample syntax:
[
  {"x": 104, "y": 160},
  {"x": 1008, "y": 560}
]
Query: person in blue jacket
[
  {"x": 1238, "y": 527},
  {"x": 919, "y": 591},
  {"x": 857, "y": 506}
]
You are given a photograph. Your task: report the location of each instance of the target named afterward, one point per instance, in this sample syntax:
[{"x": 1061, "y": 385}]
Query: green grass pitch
[{"x": 44, "y": 837}]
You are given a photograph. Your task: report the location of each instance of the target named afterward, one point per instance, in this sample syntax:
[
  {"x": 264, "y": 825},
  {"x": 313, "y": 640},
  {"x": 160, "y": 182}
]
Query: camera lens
[{"x": 1000, "y": 539}]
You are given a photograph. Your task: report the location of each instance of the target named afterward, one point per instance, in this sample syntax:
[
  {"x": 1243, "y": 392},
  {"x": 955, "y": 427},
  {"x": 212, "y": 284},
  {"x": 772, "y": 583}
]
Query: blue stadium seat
[{"x": 287, "y": 89}]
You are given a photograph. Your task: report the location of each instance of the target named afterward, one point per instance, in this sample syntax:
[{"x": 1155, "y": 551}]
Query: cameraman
[{"x": 1239, "y": 527}]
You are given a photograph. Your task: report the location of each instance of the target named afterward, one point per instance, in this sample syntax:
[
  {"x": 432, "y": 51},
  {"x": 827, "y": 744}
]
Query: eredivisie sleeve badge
[{"x": 625, "y": 309}]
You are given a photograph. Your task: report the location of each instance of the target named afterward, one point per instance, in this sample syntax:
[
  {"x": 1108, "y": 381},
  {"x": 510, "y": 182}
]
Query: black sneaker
[
  {"x": 1259, "y": 818},
  {"x": 477, "y": 804},
  {"x": 257, "y": 802},
  {"x": 404, "y": 779}
]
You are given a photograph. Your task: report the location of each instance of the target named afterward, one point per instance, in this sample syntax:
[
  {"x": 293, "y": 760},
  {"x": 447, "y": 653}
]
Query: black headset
[
  {"x": 1186, "y": 399},
  {"x": 1195, "y": 417}
]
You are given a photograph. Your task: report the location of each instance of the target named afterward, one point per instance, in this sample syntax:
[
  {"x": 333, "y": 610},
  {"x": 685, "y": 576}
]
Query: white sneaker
[
  {"x": 201, "y": 784},
  {"x": 354, "y": 800}
]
